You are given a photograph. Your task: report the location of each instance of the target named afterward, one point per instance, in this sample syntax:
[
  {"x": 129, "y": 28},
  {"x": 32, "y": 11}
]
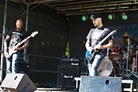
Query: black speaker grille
[{"x": 66, "y": 76}]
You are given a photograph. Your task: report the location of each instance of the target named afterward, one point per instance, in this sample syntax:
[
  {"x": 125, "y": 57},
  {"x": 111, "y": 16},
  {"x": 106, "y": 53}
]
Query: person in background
[
  {"x": 128, "y": 46},
  {"x": 94, "y": 36},
  {"x": 12, "y": 38}
]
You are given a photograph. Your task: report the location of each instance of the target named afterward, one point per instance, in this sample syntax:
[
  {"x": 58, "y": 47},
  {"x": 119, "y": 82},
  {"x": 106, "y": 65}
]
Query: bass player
[
  {"x": 14, "y": 37},
  {"x": 94, "y": 36}
]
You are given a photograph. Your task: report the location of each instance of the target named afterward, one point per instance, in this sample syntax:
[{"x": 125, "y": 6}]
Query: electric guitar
[
  {"x": 12, "y": 50},
  {"x": 89, "y": 55}
]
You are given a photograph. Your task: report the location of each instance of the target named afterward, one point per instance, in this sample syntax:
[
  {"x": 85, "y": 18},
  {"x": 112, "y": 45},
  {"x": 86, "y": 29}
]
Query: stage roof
[{"x": 81, "y": 7}]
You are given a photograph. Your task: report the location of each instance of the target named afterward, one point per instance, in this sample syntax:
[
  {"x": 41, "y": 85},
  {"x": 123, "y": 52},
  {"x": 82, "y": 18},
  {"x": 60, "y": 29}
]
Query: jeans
[
  {"x": 12, "y": 63},
  {"x": 92, "y": 67}
]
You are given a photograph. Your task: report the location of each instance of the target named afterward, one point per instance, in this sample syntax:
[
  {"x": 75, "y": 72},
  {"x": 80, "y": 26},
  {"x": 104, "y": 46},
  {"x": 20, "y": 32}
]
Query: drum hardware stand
[
  {"x": 134, "y": 73},
  {"x": 136, "y": 62},
  {"x": 131, "y": 73},
  {"x": 127, "y": 57}
]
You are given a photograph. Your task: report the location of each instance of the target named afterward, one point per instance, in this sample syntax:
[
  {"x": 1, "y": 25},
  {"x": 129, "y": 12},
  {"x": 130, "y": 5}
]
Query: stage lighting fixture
[
  {"x": 111, "y": 16},
  {"x": 84, "y": 18},
  {"x": 91, "y": 16},
  {"x": 124, "y": 16}
]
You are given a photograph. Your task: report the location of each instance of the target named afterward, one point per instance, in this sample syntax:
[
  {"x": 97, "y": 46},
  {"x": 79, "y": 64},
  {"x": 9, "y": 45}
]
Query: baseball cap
[{"x": 95, "y": 16}]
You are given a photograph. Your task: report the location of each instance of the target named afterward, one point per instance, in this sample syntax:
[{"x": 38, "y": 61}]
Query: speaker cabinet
[
  {"x": 66, "y": 76},
  {"x": 17, "y": 83},
  {"x": 24, "y": 68},
  {"x": 100, "y": 84}
]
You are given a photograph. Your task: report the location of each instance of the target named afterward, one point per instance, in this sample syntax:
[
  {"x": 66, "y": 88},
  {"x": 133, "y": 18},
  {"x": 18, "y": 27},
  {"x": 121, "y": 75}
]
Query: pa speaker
[
  {"x": 17, "y": 83},
  {"x": 66, "y": 76},
  {"x": 100, "y": 84}
]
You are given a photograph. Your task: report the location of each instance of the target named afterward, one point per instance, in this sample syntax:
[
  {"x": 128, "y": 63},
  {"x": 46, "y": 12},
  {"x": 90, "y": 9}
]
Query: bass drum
[
  {"x": 105, "y": 68},
  {"x": 116, "y": 71}
]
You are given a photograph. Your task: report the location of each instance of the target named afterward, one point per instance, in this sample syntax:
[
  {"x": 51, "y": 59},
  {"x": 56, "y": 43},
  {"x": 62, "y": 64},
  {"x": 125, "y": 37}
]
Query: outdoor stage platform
[
  {"x": 126, "y": 86},
  {"x": 61, "y": 90},
  {"x": 49, "y": 90}
]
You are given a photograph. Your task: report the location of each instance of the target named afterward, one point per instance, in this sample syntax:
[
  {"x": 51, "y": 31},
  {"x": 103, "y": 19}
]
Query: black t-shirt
[{"x": 16, "y": 37}]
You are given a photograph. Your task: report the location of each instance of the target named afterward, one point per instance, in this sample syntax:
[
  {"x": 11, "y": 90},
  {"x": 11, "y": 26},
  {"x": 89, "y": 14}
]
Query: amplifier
[
  {"x": 69, "y": 62},
  {"x": 66, "y": 74}
]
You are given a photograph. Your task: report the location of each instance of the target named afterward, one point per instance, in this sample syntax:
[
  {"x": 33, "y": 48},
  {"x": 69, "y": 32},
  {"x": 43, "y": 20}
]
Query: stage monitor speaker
[
  {"x": 100, "y": 84},
  {"x": 66, "y": 76},
  {"x": 17, "y": 83}
]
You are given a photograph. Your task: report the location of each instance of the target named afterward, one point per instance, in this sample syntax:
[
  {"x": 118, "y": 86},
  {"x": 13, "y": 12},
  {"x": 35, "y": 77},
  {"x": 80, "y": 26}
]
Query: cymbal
[{"x": 125, "y": 37}]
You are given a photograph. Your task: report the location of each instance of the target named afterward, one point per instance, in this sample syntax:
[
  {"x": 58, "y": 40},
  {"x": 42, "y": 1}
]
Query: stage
[
  {"x": 49, "y": 90},
  {"x": 61, "y": 90},
  {"x": 126, "y": 85}
]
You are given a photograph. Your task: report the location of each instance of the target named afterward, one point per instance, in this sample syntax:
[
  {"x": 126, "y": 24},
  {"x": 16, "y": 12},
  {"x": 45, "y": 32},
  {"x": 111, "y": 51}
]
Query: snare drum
[{"x": 116, "y": 52}]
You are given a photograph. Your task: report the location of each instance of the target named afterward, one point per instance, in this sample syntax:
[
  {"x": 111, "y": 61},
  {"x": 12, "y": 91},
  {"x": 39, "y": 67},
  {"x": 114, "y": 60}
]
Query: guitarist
[
  {"x": 94, "y": 36},
  {"x": 12, "y": 38}
]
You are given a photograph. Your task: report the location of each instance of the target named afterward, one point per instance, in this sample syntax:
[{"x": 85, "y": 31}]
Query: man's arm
[
  {"x": 26, "y": 44},
  {"x": 87, "y": 45},
  {"x": 5, "y": 43},
  {"x": 109, "y": 45}
]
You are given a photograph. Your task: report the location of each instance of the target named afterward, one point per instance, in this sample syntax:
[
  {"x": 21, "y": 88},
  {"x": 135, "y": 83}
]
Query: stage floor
[
  {"x": 53, "y": 90},
  {"x": 49, "y": 90},
  {"x": 58, "y": 90}
]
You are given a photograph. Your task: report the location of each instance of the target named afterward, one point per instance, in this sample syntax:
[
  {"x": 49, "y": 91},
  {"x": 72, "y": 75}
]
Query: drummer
[{"x": 128, "y": 44}]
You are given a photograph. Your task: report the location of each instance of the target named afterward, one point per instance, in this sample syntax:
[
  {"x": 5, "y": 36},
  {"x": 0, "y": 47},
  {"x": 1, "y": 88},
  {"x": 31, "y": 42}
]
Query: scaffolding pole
[
  {"x": 2, "y": 45},
  {"x": 26, "y": 28}
]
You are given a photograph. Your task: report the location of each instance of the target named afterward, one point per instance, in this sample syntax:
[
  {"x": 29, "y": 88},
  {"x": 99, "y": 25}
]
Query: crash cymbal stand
[
  {"x": 127, "y": 73},
  {"x": 135, "y": 73}
]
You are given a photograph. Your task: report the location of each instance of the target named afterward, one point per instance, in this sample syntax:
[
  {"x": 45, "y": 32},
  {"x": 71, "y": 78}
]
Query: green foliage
[{"x": 67, "y": 53}]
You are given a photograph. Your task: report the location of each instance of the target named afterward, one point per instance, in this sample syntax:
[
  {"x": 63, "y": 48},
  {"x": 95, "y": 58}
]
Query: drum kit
[
  {"x": 120, "y": 62},
  {"x": 116, "y": 58}
]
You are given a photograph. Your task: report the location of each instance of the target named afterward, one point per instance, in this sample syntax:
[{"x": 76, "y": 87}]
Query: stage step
[{"x": 51, "y": 90}]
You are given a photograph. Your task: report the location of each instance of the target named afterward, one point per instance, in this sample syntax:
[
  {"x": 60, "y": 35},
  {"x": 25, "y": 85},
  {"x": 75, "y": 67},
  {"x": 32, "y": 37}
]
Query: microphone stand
[
  {"x": 136, "y": 70},
  {"x": 127, "y": 58},
  {"x": 136, "y": 61},
  {"x": 130, "y": 72}
]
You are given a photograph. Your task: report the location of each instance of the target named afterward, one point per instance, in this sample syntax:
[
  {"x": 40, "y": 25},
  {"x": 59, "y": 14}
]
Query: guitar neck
[
  {"x": 106, "y": 38},
  {"x": 23, "y": 41}
]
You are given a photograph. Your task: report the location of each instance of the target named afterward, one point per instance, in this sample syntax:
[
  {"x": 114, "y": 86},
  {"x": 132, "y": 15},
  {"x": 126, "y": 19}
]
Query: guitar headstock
[
  {"x": 114, "y": 31},
  {"x": 34, "y": 33}
]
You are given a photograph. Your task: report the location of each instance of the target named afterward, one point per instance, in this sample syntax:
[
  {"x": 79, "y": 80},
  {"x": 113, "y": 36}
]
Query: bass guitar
[
  {"x": 89, "y": 55},
  {"x": 12, "y": 50}
]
